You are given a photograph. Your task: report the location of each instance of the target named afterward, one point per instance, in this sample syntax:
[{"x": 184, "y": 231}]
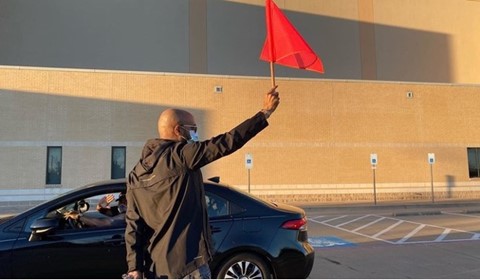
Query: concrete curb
[
  {"x": 423, "y": 213},
  {"x": 392, "y": 205}
]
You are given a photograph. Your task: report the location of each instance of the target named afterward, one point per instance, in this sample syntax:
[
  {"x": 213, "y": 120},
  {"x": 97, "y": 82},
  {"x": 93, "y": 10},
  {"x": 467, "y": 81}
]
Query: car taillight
[{"x": 300, "y": 224}]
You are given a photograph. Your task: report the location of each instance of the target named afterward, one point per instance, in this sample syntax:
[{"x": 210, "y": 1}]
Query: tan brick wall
[{"x": 319, "y": 140}]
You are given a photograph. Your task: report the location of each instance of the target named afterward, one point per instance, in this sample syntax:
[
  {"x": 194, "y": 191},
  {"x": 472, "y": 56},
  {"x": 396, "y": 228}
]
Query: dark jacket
[{"x": 166, "y": 201}]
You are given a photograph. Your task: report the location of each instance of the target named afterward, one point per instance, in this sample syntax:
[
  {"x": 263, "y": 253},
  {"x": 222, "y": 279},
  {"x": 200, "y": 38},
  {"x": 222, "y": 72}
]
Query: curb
[
  {"x": 425, "y": 213},
  {"x": 393, "y": 205}
]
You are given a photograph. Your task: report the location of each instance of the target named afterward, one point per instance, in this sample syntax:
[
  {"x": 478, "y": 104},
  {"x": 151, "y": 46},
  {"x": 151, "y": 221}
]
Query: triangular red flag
[{"x": 284, "y": 45}]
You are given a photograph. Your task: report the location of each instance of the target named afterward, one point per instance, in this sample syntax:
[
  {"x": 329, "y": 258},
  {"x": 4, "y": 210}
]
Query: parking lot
[
  {"x": 439, "y": 241},
  {"x": 378, "y": 242}
]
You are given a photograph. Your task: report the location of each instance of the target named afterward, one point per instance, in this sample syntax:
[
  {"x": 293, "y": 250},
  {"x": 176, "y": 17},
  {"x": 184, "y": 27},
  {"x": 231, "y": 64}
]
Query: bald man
[{"x": 167, "y": 233}]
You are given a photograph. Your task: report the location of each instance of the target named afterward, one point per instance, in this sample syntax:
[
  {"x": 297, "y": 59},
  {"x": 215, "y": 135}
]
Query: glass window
[
  {"x": 216, "y": 205},
  {"x": 54, "y": 165},
  {"x": 473, "y": 162},
  {"x": 118, "y": 162}
]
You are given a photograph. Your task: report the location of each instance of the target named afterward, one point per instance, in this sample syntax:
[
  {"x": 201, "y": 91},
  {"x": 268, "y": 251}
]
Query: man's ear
[{"x": 177, "y": 131}]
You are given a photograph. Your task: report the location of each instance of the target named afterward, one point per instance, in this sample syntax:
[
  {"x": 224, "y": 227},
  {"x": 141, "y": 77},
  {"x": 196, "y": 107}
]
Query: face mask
[
  {"x": 192, "y": 133},
  {"x": 193, "y": 136},
  {"x": 122, "y": 208},
  {"x": 83, "y": 207}
]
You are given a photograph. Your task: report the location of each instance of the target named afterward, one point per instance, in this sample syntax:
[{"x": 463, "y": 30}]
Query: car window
[
  {"x": 91, "y": 217},
  {"x": 16, "y": 227},
  {"x": 216, "y": 205}
]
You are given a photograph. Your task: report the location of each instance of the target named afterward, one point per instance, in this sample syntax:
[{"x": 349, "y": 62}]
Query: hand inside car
[
  {"x": 71, "y": 215},
  {"x": 106, "y": 200}
]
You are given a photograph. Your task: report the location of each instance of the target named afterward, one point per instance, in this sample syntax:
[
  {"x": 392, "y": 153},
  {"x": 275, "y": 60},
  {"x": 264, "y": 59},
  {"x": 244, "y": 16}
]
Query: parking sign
[
  {"x": 373, "y": 159},
  {"x": 248, "y": 161}
]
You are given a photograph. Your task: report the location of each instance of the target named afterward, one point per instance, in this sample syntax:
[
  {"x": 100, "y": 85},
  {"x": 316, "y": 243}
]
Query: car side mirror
[{"x": 42, "y": 227}]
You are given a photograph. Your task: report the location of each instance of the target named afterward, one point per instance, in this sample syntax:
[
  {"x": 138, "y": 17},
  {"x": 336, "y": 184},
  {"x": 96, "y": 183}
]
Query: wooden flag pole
[{"x": 272, "y": 73}]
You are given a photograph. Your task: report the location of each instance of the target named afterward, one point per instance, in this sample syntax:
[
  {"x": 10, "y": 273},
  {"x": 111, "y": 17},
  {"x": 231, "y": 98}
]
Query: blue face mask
[
  {"x": 122, "y": 208},
  {"x": 192, "y": 131},
  {"x": 193, "y": 136}
]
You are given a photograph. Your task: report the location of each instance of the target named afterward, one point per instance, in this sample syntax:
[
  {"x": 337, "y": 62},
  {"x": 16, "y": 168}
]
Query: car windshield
[{"x": 55, "y": 197}]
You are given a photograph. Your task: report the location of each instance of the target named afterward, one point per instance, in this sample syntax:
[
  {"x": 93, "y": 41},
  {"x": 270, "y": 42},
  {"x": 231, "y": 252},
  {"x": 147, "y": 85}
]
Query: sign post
[
  {"x": 373, "y": 162},
  {"x": 431, "y": 161},
  {"x": 248, "y": 166}
]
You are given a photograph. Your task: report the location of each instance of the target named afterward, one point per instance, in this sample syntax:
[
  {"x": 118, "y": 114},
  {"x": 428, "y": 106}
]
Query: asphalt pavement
[{"x": 395, "y": 240}]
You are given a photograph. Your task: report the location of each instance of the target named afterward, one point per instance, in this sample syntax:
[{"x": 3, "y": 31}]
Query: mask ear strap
[{"x": 177, "y": 131}]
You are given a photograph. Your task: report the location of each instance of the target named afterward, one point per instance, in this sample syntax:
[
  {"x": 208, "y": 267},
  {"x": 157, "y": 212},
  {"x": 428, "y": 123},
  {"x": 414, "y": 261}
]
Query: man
[
  {"x": 104, "y": 207},
  {"x": 116, "y": 214},
  {"x": 167, "y": 233}
]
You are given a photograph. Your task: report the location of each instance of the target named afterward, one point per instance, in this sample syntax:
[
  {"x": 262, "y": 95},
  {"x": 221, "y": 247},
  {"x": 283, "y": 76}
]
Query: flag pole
[
  {"x": 268, "y": 16},
  {"x": 272, "y": 73}
]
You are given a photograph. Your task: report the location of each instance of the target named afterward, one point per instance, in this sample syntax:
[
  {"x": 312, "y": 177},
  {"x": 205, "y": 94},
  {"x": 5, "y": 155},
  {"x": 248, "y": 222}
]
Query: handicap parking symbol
[{"x": 328, "y": 242}]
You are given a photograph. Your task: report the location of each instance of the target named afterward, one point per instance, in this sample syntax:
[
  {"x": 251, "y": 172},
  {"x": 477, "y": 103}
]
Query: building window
[
  {"x": 118, "y": 162},
  {"x": 473, "y": 162},
  {"x": 54, "y": 165}
]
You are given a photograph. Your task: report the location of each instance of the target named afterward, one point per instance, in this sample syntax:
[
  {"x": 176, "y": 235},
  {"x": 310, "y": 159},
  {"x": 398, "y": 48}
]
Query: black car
[{"x": 252, "y": 238}]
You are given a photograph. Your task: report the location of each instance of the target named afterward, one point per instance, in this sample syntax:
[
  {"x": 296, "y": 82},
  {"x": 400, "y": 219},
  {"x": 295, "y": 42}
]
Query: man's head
[
  {"x": 176, "y": 124},
  {"x": 122, "y": 203}
]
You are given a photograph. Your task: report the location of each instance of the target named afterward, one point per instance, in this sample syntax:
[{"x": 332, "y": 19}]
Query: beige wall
[
  {"x": 387, "y": 40},
  {"x": 319, "y": 141},
  {"x": 318, "y": 145},
  {"x": 443, "y": 29}
]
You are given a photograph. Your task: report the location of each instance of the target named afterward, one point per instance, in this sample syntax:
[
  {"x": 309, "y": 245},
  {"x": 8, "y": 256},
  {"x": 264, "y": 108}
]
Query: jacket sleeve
[
  {"x": 197, "y": 155},
  {"x": 135, "y": 239}
]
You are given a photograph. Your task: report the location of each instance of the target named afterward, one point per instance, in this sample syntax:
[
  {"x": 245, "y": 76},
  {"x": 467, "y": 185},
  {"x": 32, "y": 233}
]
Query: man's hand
[
  {"x": 71, "y": 215},
  {"x": 133, "y": 275},
  {"x": 105, "y": 201},
  {"x": 270, "y": 102}
]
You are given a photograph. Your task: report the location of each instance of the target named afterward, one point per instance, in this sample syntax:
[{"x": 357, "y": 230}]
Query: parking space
[
  {"x": 441, "y": 241},
  {"x": 409, "y": 229}
]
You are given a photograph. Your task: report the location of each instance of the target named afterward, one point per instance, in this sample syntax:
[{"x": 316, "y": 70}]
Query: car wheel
[{"x": 244, "y": 266}]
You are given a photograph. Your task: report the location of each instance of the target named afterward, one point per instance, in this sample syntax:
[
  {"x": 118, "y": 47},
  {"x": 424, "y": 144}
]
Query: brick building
[{"x": 401, "y": 82}]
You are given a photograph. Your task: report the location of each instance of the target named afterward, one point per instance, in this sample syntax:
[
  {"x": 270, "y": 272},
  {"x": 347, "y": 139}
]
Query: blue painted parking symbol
[{"x": 328, "y": 242}]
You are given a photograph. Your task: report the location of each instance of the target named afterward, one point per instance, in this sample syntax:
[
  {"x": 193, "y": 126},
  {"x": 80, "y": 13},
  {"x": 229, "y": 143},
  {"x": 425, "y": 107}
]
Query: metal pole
[
  {"x": 431, "y": 182},
  {"x": 248, "y": 180},
  {"x": 374, "y": 188}
]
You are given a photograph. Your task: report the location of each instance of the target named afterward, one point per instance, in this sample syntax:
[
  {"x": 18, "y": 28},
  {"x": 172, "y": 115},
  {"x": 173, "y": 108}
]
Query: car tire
[{"x": 244, "y": 266}]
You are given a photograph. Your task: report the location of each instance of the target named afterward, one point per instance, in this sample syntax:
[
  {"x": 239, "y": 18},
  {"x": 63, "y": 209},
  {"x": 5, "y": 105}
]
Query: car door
[
  {"x": 219, "y": 211},
  {"x": 77, "y": 253},
  {"x": 73, "y": 253}
]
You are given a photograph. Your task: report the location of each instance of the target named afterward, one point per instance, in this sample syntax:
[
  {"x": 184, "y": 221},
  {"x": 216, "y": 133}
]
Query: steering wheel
[
  {"x": 75, "y": 223},
  {"x": 72, "y": 223}
]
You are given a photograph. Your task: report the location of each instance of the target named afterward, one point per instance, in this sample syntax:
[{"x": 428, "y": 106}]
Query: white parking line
[
  {"x": 357, "y": 233},
  {"x": 333, "y": 219},
  {"x": 354, "y": 220},
  {"x": 463, "y": 215},
  {"x": 444, "y": 234},
  {"x": 369, "y": 224},
  {"x": 314, "y": 218},
  {"x": 412, "y": 233},
  {"x": 404, "y": 240},
  {"x": 388, "y": 229}
]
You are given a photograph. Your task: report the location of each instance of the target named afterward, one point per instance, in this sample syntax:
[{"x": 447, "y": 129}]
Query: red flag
[{"x": 284, "y": 45}]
